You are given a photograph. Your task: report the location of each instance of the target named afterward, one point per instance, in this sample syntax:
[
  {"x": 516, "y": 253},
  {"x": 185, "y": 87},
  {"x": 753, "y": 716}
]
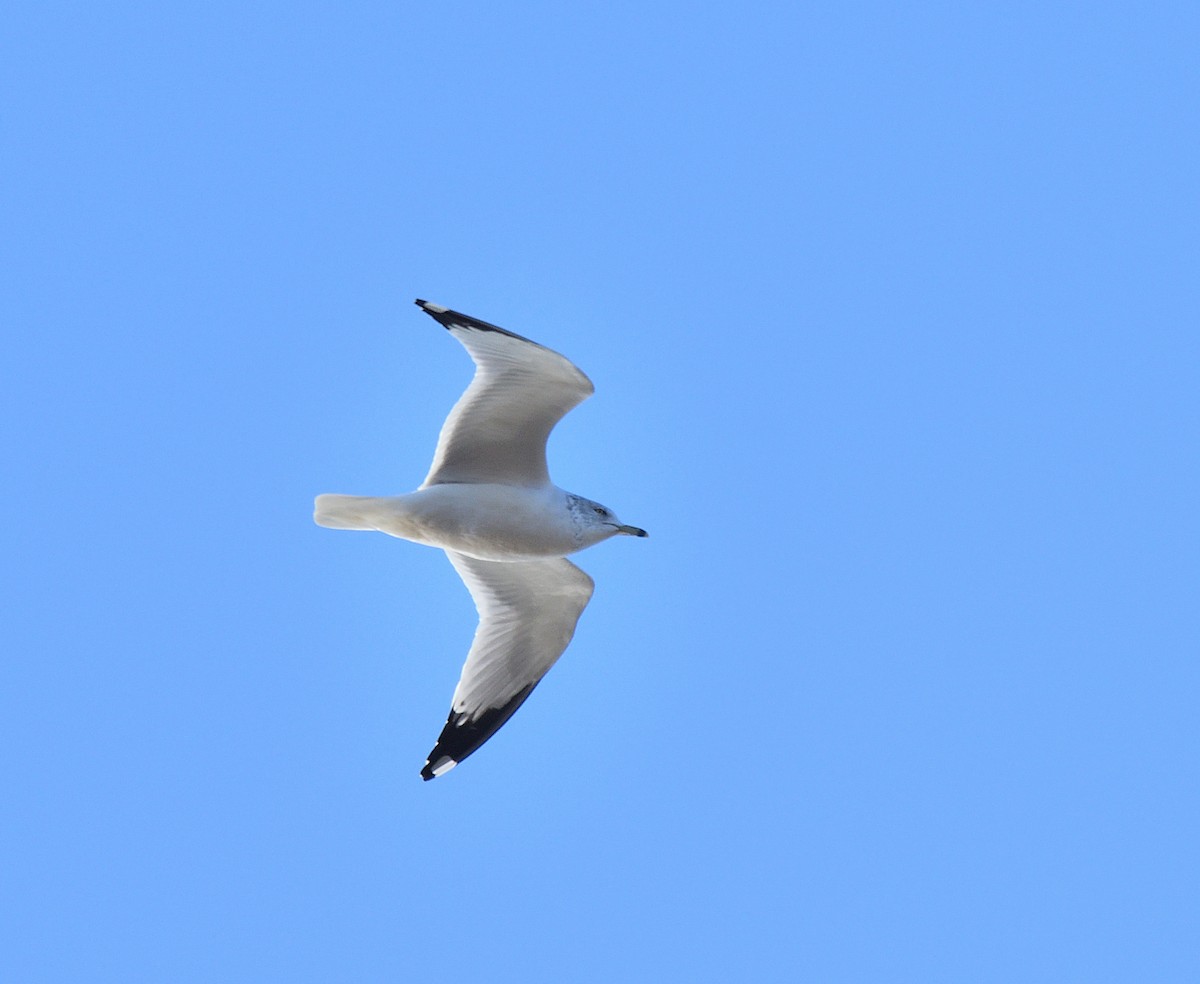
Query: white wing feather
[
  {"x": 497, "y": 431},
  {"x": 527, "y": 615}
]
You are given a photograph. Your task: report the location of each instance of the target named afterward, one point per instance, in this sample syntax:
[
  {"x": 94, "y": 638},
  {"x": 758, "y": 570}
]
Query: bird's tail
[{"x": 346, "y": 512}]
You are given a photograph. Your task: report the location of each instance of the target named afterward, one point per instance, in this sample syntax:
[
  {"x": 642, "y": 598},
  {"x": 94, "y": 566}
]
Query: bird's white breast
[{"x": 490, "y": 522}]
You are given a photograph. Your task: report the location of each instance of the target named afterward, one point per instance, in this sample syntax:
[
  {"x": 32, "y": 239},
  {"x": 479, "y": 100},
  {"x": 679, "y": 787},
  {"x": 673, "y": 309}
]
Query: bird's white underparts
[{"x": 489, "y": 503}]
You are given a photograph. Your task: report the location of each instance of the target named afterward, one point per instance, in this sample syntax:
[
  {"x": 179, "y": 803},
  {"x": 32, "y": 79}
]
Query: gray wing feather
[
  {"x": 497, "y": 430},
  {"x": 527, "y": 615}
]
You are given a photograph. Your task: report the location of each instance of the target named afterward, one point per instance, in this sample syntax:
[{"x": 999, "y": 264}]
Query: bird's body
[
  {"x": 489, "y": 503},
  {"x": 487, "y": 521}
]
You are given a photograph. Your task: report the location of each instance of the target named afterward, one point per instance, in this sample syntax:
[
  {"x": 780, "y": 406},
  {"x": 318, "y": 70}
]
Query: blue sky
[{"x": 892, "y": 315}]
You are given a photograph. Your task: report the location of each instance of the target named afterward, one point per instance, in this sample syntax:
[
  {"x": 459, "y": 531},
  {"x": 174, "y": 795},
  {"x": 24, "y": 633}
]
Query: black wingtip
[
  {"x": 449, "y": 318},
  {"x": 461, "y": 736},
  {"x": 442, "y": 315}
]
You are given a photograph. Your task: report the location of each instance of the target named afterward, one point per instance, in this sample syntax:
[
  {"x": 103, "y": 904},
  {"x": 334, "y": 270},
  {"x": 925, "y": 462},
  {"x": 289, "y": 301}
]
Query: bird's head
[{"x": 595, "y": 522}]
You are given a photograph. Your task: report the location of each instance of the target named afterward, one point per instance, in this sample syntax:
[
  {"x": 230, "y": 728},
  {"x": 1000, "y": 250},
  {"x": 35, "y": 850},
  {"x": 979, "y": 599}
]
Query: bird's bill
[{"x": 631, "y": 531}]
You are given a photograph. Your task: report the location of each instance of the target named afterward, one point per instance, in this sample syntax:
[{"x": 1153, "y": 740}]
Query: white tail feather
[{"x": 346, "y": 512}]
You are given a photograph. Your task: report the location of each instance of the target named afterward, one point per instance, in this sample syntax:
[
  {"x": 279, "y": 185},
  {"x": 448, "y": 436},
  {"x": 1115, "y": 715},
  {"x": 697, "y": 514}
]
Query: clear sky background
[{"x": 893, "y": 312}]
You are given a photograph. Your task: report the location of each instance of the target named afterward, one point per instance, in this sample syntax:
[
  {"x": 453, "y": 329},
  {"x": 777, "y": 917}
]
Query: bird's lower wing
[{"x": 527, "y": 615}]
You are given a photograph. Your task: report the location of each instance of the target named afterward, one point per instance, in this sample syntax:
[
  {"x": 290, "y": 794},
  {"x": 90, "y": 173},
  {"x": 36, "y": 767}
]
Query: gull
[{"x": 489, "y": 503}]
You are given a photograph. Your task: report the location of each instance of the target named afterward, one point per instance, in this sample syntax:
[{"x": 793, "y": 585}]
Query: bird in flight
[{"x": 489, "y": 503}]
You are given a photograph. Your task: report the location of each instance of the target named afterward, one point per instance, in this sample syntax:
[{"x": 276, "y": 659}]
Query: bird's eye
[{"x": 600, "y": 510}]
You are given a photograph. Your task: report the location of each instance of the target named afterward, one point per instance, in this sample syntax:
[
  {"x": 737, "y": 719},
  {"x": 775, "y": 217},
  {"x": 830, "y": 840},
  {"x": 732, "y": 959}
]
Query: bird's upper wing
[
  {"x": 527, "y": 615},
  {"x": 498, "y": 428}
]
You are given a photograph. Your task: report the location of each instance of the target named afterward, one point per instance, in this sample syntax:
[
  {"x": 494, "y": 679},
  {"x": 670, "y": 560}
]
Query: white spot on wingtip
[
  {"x": 444, "y": 765},
  {"x": 435, "y": 308}
]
